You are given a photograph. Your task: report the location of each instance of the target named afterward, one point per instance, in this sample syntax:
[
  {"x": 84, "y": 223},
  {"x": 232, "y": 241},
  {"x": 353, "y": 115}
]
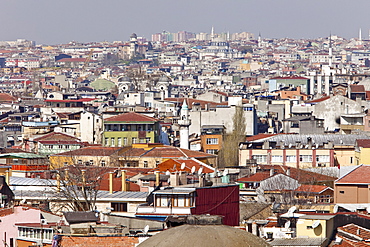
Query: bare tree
[
  {"x": 229, "y": 153},
  {"x": 78, "y": 187}
]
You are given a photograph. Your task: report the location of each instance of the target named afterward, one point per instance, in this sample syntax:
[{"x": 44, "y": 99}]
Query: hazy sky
[{"x": 53, "y": 22}]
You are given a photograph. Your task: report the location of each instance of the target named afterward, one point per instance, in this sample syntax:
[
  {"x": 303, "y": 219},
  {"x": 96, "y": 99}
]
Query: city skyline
[{"x": 50, "y": 22}]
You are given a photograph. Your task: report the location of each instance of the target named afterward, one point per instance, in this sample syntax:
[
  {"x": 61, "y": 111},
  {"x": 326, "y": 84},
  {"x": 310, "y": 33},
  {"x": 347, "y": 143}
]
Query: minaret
[
  {"x": 133, "y": 45},
  {"x": 330, "y": 53},
  {"x": 259, "y": 41},
  {"x": 212, "y": 33},
  {"x": 184, "y": 123},
  {"x": 360, "y": 35}
]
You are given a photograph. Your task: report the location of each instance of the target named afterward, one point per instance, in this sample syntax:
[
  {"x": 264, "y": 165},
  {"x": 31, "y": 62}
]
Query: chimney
[
  {"x": 111, "y": 182},
  {"x": 183, "y": 179},
  {"x": 7, "y": 177},
  {"x": 157, "y": 176},
  {"x": 272, "y": 172},
  {"x": 83, "y": 179},
  {"x": 58, "y": 182},
  {"x": 202, "y": 181},
  {"x": 124, "y": 186},
  {"x": 174, "y": 179}
]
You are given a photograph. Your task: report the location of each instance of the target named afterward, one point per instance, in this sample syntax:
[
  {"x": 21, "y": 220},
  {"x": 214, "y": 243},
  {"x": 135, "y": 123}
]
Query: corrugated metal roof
[
  {"x": 101, "y": 195},
  {"x": 175, "y": 191},
  {"x": 22, "y": 156},
  {"x": 20, "y": 181}
]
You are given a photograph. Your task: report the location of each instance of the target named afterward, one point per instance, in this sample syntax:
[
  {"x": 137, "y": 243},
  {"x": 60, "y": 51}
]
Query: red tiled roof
[
  {"x": 259, "y": 136},
  {"x": 365, "y": 143},
  {"x": 357, "y": 88},
  {"x": 319, "y": 100},
  {"x": 175, "y": 152},
  {"x": 302, "y": 176},
  {"x": 172, "y": 165},
  {"x": 310, "y": 188},
  {"x": 360, "y": 175},
  {"x": 4, "y": 97},
  {"x": 131, "y": 117},
  {"x": 91, "y": 151},
  {"x": 56, "y": 136},
  {"x": 257, "y": 177}
]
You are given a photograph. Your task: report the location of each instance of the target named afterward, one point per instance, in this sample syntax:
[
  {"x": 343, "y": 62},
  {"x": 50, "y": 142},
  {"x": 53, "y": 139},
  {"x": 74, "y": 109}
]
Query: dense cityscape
[{"x": 186, "y": 139}]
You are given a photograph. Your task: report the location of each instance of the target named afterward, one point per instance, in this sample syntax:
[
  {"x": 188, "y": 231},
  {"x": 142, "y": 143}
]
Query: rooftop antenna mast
[{"x": 330, "y": 52}]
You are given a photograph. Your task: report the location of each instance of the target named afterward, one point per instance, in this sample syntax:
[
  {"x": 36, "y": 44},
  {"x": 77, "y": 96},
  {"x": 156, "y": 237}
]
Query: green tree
[{"x": 229, "y": 153}]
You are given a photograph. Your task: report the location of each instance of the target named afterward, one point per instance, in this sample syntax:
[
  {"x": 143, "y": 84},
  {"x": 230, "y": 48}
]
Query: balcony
[{"x": 150, "y": 210}]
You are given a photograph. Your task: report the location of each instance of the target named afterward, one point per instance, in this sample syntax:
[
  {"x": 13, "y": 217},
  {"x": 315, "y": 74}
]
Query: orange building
[{"x": 211, "y": 138}]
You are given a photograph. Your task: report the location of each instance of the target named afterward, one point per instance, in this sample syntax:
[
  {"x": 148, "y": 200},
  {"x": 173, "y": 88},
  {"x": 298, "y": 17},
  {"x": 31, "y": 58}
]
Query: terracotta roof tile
[
  {"x": 309, "y": 188},
  {"x": 56, "y": 136},
  {"x": 365, "y": 143},
  {"x": 131, "y": 117},
  {"x": 360, "y": 175},
  {"x": 172, "y": 165},
  {"x": 91, "y": 151}
]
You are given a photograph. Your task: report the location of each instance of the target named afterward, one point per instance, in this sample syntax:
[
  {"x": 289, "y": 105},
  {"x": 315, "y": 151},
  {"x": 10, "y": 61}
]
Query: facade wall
[
  {"x": 8, "y": 229},
  {"x": 347, "y": 193},
  {"x": 223, "y": 201},
  {"x": 98, "y": 241},
  {"x": 299, "y": 158}
]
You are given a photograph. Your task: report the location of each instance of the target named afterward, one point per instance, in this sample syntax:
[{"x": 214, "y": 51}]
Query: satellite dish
[
  {"x": 315, "y": 224},
  {"x": 367, "y": 209},
  {"x": 200, "y": 171},
  {"x": 182, "y": 166},
  {"x": 336, "y": 207},
  {"x": 193, "y": 169},
  {"x": 291, "y": 211},
  {"x": 168, "y": 173},
  {"x": 146, "y": 229},
  {"x": 224, "y": 173},
  {"x": 287, "y": 225}
]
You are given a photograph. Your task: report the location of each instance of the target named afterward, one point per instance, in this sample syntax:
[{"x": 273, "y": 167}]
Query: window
[
  {"x": 112, "y": 142},
  {"x": 60, "y": 146},
  {"x": 142, "y": 140},
  {"x": 124, "y": 141},
  {"x": 102, "y": 163},
  {"x": 66, "y": 146},
  {"x": 51, "y": 146},
  {"x": 341, "y": 191},
  {"x": 323, "y": 158},
  {"x": 212, "y": 141},
  {"x": 119, "y": 206},
  {"x": 106, "y": 141},
  {"x": 91, "y": 162},
  {"x": 148, "y": 140},
  {"x": 260, "y": 158},
  {"x": 146, "y": 164},
  {"x": 351, "y": 160},
  {"x": 119, "y": 142},
  {"x": 134, "y": 140},
  {"x": 211, "y": 151},
  {"x": 291, "y": 158},
  {"x": 277, "y": 158},
  {"x": 305, "y": 158}
]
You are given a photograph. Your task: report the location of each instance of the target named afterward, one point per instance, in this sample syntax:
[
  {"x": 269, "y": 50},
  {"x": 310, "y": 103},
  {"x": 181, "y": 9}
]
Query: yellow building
[{"x": 362, "y": 152}]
